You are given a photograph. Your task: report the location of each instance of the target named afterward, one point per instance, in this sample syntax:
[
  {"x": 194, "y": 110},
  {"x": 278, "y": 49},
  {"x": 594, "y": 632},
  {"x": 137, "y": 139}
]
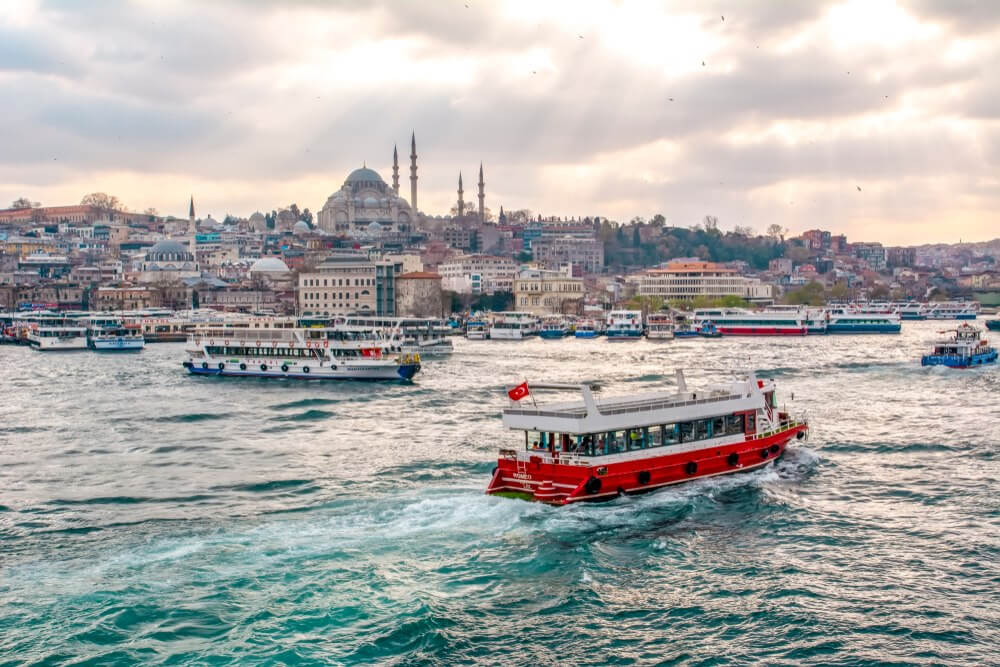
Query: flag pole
[{"x": 530, "y": 394}]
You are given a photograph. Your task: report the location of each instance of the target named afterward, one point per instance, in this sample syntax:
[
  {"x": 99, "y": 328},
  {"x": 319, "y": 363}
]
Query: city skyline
[{"x": 875, "y": 119}]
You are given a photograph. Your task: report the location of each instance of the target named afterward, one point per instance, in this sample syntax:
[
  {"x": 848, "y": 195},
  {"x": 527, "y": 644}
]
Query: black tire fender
[{"x": 592, "y": 486}]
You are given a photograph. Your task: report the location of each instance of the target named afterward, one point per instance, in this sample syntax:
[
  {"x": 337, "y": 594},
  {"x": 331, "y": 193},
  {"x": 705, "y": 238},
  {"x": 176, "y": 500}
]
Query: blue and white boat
[
  {"x": 953, "y": 310},
  {"x": 966, "y": 349},
  {"x": 625, "y": 325},
  {"x": 108, "y": 333},
  {"x": 993, "y": 325},
  {"x": 554, "y": 327},
  {"x": 858, "y": 320},
  {"x": 588, "y": 329}
]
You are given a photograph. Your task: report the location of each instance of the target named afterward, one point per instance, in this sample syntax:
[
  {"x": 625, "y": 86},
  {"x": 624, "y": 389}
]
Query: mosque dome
[
  {"x": 364, "y": 174},
  {"x": 168, "y": 251},
  {"x": 269, "y": 265},
  {"x": 211, "y": 223},
  {"x": 258, "y": 220},
  {"x": 301, "y": 227}
]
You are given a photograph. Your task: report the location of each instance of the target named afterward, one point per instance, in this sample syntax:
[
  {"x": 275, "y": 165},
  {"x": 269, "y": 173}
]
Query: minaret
[
  {"x": 461, "y": 202},
  {"x": 192, "y": 231},
  {"x": 482, "y": 195},
  {"x": 503, "y": 216},
  {"x": 413, "y": 171},
  {"x": 395, "y": 171}
]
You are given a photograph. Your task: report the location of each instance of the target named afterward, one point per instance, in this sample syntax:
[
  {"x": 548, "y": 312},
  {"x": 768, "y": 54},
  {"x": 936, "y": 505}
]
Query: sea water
[{"x": 151, "y": 517}]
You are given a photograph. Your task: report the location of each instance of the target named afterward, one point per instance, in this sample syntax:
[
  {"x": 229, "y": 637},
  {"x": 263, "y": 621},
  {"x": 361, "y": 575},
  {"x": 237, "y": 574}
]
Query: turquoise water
[{"x": 150, "y": 517}]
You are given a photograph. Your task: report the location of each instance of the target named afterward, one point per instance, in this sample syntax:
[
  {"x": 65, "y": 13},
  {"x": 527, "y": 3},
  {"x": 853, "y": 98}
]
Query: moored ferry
[
  {"x": 624, "y": 325},
  {"x": 512, "y": 325},
  {"x": 587, "y": 329},
  {"x": 953, "y": 310},
  {"x": 477, "y": 329},
  {"x": 50, "y": 332},
  {"x": 314, "y": 353},
  {"x": 554, "y": 327},
  {"x": 858, "y": 320},
  {"x": 743, "y": 322},
  {"x": 659, "y": 326},
  {"x": 108, "y": 333},
  {"x": 965, "y": 349},
  {"x": 426, "y": 336},
  {"x": 597, "y": 449}
]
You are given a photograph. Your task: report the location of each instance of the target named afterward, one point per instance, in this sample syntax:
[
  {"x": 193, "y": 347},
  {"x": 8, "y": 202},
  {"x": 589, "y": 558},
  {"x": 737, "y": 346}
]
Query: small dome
[
  {"x": 167, "y": 250},
  {"x": 258, "y": 218},
  {"x": 374, "y": 228},
  {"x": 211, "y": 223},
  {"x": 269, "y": 265},
  {"x": 301, "y": 227}
]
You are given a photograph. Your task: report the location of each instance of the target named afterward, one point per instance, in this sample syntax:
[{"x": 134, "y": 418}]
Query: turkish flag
[{"x": 518, "y": 392}]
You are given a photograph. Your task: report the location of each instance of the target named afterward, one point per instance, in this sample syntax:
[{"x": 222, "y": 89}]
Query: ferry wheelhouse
[
  {"x": 597, "y": 449},
  {"x": 316, "y": 353},
  {"x": 624, "y": 325},
  {"x": 107, "y": 333},
  {"x": 743, "y": 322},
  {"x": 513, "y": 326},
  {"x": 859, "y": 320},
  {"x": 659, "y": 326},
  {"x": 965, "y": 349}
]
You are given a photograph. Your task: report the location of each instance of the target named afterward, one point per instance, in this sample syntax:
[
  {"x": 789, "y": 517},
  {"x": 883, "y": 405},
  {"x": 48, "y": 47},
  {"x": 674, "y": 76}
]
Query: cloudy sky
[{"x": 756, "y": 112}]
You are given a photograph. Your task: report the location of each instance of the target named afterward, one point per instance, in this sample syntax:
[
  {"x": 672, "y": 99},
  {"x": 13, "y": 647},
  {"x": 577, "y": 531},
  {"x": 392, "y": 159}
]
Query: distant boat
[{"x": 965, "y": 349}]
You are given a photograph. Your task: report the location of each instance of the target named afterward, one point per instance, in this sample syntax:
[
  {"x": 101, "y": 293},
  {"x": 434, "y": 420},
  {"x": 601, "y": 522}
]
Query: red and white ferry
[{"x": 598, "y": 449}]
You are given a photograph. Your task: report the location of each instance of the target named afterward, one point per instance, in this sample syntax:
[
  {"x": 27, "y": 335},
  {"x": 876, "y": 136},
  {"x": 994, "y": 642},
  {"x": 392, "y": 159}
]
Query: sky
[{"x": 876, "y": 119}]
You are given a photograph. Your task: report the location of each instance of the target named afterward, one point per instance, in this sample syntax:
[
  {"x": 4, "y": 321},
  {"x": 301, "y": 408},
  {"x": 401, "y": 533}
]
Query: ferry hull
[
  {"x": 561, "y": 484},
  {"x": 954, "y": 361},
  {"x": 56, "y": 345},
  {"x": 760, "y": 331},
  {"x": 117, "y": 345},
  {"x": 552, "y": 335},
  {"x": 863, "y": 328},
  {"x": 403, "y": 372},
  {"x": 993, "y": 325},
  {"x": 585, "y": 334},
  {"x": 624, "y": 335}
]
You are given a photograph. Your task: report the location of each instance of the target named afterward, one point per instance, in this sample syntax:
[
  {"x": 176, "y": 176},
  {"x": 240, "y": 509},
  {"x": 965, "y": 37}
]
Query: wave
[
  {"x": 308, "y": 415},
  {"x": 191, "y": 417},
  {"x": 304, "y": 403}
]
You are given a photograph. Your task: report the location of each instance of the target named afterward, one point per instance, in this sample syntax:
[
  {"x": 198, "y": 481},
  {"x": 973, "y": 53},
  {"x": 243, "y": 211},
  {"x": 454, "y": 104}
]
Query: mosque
[{"x": 365, "y": 207}]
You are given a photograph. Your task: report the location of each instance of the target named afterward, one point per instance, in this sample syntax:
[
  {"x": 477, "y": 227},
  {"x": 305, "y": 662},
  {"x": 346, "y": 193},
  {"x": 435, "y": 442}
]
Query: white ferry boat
[
  {"x": 858, "y": 320},
  {"x": 911, "y": 310},
  {"x": 624, "y": 325},
  {"x": 55, "y": 332},
  {"x": 109, "y": 333},
  {"x": 599, "y": 448},
  {"x": 660, "y": 326},
  {"x": 315, "y": 353},
  {"x": 477, "y": 328},
  {"x": 513, "y": 326},
  {"x": 953, "y": 310},
  {"x": 554, "y": 327},
  {"x": 743, "y": 322},
  {"x": 425, "y": 336}
]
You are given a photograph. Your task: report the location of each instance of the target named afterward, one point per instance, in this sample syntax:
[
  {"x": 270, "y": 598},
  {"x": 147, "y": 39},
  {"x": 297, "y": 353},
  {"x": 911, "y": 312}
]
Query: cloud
[{"x": 576, "y": 108}]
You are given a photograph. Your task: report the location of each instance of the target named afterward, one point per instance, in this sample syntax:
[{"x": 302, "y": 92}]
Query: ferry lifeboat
[{"x": 597, "y": 449}]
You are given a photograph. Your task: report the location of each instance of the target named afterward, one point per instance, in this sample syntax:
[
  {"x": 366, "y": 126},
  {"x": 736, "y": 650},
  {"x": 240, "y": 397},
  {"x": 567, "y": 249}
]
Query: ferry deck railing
[{"x": 621, "y": 408}]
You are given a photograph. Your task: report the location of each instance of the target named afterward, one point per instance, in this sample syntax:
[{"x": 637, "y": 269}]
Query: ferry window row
[{"x": 616, "y": 442}]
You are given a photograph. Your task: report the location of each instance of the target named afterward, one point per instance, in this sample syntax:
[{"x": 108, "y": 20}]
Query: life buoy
[
  {"x": 263, "y": 367},
  {"x": 284, "y": 368},
  {"x": 764, "y": 453},
  {"x": 592, "y": 486},
  {"x": 644, "y": 477},
  {"x": 691, "y": 467},
  {"x": 222, "y": 366},
  {"x": 305, "y": 369},
  {"x": 204, "y": 364},
  {"x": 733, "y": 459},
  {"x": 800, "y": 435},
  {"x": 243, "y": 367}
]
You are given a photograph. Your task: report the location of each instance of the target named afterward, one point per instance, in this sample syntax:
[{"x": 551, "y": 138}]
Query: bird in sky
[
  {"x": 723, "y": 18},
  {"x": 858, "y": 187}
]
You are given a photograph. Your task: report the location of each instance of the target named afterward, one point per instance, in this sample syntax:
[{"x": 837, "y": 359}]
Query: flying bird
[
  {"x": 702, "y": 63},
  {"x": 580, "y": 36},
  {"x": 858, "y": 187},
  {"x": 723, "y": 18}
]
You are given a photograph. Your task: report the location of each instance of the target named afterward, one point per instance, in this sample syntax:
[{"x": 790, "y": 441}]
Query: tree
[
  {"x": 777, "y": 232},
  {"x": 711, "y": 223},
  {"x": 658, "y": 221},
  {"x": 105, "y": 204},
  {"x": 636, "y": 237},
  {"x": 743, "y": 231},
  {"x": 24, "y": 202},
  {"x": 306, "y": 216}
]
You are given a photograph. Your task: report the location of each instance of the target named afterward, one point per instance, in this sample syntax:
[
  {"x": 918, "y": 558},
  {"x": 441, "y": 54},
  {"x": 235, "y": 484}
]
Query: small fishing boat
[
  {"x": 964, "y": 349},
  {"x": 600, "y": 448},
  {"x": 708, "y": 330},
  {"x": 993, "y": 325}
]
